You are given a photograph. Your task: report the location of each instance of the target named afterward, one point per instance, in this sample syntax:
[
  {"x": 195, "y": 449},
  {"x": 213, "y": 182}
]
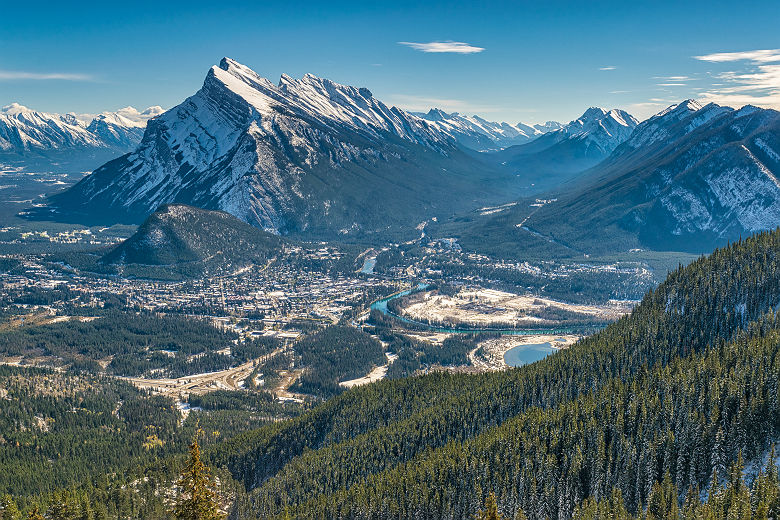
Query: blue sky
[{"x": 517, "y": 61}]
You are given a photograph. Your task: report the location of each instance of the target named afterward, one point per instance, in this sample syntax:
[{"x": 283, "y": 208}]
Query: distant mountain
[
  {"x": 132, "y": 114},
  {"x": 559, "y": 155},
  {"x": 177, "y": 235},
  {"x": 480, "y": 134},
  {"x": 116, "y": 130},
  {"x": 40, "y": 139},
  {"x": 306, "y": 156},
  {"x": 688, "y": 179}
]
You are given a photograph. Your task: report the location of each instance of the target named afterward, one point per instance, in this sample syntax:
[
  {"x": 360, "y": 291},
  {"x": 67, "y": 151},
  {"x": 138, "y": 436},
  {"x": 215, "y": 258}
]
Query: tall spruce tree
[
  {"x": 491, "y": 509},
  {"x": 197, "y": 499},
  {"x": 9, "y": 509}
]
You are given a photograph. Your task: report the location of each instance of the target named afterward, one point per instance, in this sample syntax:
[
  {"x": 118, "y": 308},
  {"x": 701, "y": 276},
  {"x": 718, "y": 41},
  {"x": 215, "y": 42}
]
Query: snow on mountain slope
[
  {"x": 116, "y": 130},
  {"x": 662, "y": 125},
  {"x": 23, "y": 130},
  {"x": 480, "y": 134},
  {"x": 561, "y": 155},
  {"x": 688, "y": 179},
  {"x": 305, "y": 155},
  {"x": 598, "y": 128},
  {"x": 549, "y": 126}
]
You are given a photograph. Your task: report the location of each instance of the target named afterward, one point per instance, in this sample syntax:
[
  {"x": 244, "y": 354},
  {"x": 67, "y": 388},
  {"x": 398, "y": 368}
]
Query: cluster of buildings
[{"x": 278, "y": 298}]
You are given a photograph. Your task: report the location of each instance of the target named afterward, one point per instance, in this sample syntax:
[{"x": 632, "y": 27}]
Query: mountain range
[
  {"x": 305, "y": 156},
  {"x": 321, "y": 160},
  {"x": 690, "y": 178},
  {"x": 480, "y": 134},
  {"x": 560, "y": 155},
  {"x": 68, "y": 141}
]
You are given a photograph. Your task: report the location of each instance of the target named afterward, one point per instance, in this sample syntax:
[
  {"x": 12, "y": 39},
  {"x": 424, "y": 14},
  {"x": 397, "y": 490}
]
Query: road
[
  {"x": 202, "y": 383},
  {"x": 282, "y": 389}
]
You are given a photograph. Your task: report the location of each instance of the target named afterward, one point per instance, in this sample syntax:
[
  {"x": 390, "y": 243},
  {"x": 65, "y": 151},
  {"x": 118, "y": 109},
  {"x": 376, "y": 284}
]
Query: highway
[{"x": 228, "y": 379}]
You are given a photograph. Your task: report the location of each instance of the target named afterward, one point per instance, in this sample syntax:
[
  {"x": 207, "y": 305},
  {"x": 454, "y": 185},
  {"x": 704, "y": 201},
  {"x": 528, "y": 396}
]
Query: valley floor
[{"x": 479, "y": 307}]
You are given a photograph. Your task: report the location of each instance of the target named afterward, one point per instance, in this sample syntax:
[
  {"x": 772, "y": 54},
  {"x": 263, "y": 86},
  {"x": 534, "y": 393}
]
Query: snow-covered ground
[
  {"x": 378, "y": 373},
  {"x": 486, "y": 307}
]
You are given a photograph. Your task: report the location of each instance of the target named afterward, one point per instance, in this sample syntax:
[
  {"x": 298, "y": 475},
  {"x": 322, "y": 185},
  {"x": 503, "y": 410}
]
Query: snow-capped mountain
[
  {"x": 116, "y": 130},
  {"x": 599, "y": 130},
  {"x": 662, "y": 126},
  {"x": 559, "y": 155},
  {"x": 305, "y": 155},
  {"x": 22, "y": 129},
  {"x": 480, "y": 134},
  {"x": 38, "y": 136},
  {"x": 549, "y": 126},
  {"x": 689, "y": 178}
]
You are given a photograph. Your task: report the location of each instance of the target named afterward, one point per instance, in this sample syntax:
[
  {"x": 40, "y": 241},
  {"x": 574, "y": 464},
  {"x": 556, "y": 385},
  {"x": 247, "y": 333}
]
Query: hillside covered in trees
[
  {"x": 676, "y": 390},
  {"x": 671, "y": 412}
]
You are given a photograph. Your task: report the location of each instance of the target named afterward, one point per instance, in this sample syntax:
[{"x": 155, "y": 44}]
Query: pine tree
[
  {"x": 197, "y": 499},
  {"x": 9, "y": 509},
  {"x": 35, "y": 514},
  {"x": 491, "y": 509},
  {"x": 61, "y": 507}
]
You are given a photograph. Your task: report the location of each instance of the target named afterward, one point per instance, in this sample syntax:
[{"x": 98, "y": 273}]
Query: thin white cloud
[
  {"x": 758, "y": 56},
  {"x": 673, "y": 78},
  {"x": 672, "y": 84},
  {"x": 619, "y": 91},
  {"x": 445, "y": 46},
  {"x": 15, "y": 75},
  {"x": 758, "y": 83},
  {"x": 610, "y": 67}
]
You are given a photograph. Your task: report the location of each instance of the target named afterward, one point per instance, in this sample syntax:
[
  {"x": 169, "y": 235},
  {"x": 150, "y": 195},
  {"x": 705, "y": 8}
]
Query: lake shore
[{"x": 490, "y": 354}]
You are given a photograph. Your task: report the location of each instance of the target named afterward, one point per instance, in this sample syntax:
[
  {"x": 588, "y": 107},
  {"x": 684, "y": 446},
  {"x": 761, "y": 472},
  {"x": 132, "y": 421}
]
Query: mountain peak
[
  {"x": 311, "y": 78},
  {"x": 15, "y": 109},
  {"x": 293, "y": 158},
  {"x": 593, "y": 113},
  {"x": 227, "y": 63},
  {"x": 436, "y": 114},
  {"x": 747, "y": 110},
  {"x": 178, "y": 234},
  {"x": 597, "y": 115},
  {"x": 691, "y": 104},
  {"x": 682, "y": 108}
]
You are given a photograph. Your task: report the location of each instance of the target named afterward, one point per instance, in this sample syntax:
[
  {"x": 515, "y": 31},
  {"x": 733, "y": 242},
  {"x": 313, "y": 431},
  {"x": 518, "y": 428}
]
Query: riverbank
[{"x": 381, "y": 306}]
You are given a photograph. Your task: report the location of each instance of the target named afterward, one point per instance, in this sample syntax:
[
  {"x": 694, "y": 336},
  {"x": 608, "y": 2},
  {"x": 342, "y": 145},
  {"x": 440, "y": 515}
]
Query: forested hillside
[
  {"x": 645, "y": 419},
  {"x": 131, "y": 344},
  {"x": 94, "y": 447},
  {"x": 690, "y": 373}
]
